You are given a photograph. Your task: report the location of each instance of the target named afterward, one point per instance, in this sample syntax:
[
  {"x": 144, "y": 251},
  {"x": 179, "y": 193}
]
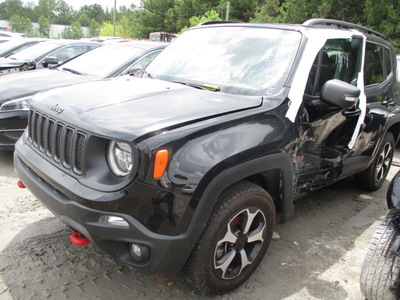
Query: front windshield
[
  {"x": 34, "y": 51},
  {"x": 237, "y": 60},
  {"x": 102, "y": 61}
]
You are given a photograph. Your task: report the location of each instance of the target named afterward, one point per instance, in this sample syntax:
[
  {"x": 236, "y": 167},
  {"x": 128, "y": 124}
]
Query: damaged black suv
[{"x": 188, "y": 167}]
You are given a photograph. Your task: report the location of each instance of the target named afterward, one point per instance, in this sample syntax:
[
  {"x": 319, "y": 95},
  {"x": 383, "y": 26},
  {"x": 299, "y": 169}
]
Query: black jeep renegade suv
[{"x": 190, "y": 165}]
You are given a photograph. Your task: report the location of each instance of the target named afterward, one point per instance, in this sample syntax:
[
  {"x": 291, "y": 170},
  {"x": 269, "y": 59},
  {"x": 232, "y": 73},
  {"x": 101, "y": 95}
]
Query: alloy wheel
[{"x": 240, "y": 243}]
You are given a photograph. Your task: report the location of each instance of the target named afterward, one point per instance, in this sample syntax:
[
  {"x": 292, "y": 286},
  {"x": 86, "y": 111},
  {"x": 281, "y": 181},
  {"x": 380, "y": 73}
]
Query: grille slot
[
  {"x": 68, "y": 145},
  {"x": 50, "y": 139},
  {"x": 64, "y": 144}
]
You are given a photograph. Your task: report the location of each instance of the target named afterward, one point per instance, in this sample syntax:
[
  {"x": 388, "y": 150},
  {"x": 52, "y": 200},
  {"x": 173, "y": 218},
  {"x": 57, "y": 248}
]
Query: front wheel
[
  {"x": 234, "y": 241},
  {"x": 380, "y": 274},
  {"x": 373, "y": 177}
]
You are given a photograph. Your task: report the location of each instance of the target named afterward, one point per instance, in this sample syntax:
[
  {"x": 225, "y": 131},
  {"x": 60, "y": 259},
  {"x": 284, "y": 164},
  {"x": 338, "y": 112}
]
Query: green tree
[
  {"x": 94, "y": 11},
  {"x": 73, "y": 32},
  {"x": 29, "y": 6},
  {"x": 21, "y": 24},
  {"x": 9, "y": 8},
  {"x": 383, "y": 16},
  {"x": 44, "y": 26},
  {"x": 107, "y": 29},
  {"x": 84, "y": 20},
  {"x": 211, "y": 15},
  {"x": 293, "y": 11},
  {"x": 127, "y": 20},
  {"x": 94, "y": 28},
  {"x": 64, "y": 13},
  {"x": 153, "y": 17},
  {"x": 177, "y": 15},
  {"x": 268, "y": 12},
  {"x": 298, "y": 11},
  {"x": 348, "y": 10},
  {"x": 46, "y": 8},
  {"x": 239, "y": 10}
]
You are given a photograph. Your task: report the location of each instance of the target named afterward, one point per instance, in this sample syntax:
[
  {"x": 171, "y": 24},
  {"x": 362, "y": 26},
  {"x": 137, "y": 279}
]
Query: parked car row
[
  {"x": 12, "y": 46},
  {"x": 44, "y": 54},
  {"x": 189, "y": 166},
  {"x": 108, "y": 61}
]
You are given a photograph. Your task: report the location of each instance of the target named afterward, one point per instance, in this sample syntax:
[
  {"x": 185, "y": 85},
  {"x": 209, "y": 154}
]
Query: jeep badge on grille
[{"x": 56, "y": 108}]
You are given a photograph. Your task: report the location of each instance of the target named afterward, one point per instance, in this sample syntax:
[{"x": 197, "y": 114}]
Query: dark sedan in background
[
  {"x": 43, "y": 54},
  {"x": 105, "y": 62}
]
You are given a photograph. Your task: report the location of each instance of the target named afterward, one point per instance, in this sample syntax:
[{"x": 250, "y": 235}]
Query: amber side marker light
[{"x": 160, "y": 163}]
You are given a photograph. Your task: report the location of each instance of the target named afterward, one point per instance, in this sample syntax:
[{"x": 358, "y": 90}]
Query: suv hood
[
  {"x": 36, "y": 81},
  {"x": 131, "y": 107}
]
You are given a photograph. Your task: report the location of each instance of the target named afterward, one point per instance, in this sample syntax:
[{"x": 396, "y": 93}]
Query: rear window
[{"x": 377, "y": 67}]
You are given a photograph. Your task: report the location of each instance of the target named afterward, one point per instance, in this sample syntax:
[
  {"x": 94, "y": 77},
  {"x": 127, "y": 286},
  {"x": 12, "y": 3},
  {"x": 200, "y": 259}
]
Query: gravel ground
[{"x": 317, "y": 255}]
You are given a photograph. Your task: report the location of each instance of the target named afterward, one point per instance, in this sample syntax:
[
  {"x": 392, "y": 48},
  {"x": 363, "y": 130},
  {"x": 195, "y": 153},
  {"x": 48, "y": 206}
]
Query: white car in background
[{"x": 9, "y": 34}]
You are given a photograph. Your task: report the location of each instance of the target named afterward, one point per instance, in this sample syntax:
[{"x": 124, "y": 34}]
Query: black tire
[
  {"x": 380, "y": 273},
  {"x": 224, "y": 256},
  {"x": 373, "y": 177}
]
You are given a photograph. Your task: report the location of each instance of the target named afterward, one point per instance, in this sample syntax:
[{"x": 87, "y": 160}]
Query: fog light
[
  {"x": 113, "y": 220},
  {"x": 140, "y": 252},
  {"x": 136, "y": 250}
]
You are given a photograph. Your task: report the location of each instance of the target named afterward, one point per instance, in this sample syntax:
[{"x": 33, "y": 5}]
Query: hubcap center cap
[{"x": 241, "y": 242}]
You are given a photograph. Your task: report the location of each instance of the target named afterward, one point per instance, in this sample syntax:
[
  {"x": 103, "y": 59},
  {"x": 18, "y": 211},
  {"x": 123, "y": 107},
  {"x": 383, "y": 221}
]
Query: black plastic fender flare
[{"x": 223, "y": 180}]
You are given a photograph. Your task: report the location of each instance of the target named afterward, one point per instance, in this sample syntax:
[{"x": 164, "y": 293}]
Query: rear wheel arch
[
  {"x": 372, "y": 177},
  {"x": 395, "y": 130}
]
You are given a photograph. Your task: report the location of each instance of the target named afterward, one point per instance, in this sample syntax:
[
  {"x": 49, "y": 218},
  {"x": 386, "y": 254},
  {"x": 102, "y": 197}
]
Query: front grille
[{"x": 54, "y": 139}]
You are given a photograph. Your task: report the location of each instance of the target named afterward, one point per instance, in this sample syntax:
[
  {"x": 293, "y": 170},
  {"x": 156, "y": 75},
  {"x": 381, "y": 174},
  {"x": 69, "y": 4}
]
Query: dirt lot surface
[{"x": 318, "y": 255}]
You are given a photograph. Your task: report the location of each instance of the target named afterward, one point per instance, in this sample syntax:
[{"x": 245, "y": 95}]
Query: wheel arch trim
[{"x": 228, "y": 177}]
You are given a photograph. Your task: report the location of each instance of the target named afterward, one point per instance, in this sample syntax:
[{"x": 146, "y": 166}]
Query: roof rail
[
  {"x": 216, "y": 22},
  {"x": 342, "y": 24}
]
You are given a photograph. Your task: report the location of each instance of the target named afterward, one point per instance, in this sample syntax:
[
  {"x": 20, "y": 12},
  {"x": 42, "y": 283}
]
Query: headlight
[
  {"x": 120, "y": 158},
  {"x": 19, "y": 104}
]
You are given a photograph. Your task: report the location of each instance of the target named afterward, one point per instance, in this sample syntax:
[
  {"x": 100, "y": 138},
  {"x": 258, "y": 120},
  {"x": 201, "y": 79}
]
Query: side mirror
[
  {"x": 134, "y": 70},
  {"x": 340, "y": 94},
  {"x": 49, "y": 61}
]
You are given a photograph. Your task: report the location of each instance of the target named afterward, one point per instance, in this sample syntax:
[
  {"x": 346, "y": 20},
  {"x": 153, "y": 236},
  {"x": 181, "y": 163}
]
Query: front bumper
[{"x": 167, "y": 254}]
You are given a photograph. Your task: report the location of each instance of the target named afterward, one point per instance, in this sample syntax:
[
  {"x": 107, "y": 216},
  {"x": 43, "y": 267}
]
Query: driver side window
[{"x": 338, "y": 59}]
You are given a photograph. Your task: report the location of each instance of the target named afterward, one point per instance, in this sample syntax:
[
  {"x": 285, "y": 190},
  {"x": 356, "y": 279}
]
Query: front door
[{"x": 328, "y": 134}]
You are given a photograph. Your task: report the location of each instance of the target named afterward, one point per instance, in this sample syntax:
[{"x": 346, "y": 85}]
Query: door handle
[{"x": 351, "y": 113}]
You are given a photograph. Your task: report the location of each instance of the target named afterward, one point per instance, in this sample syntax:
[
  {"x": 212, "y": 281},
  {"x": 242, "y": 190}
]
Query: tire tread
[{"x": 381, "y": 270}]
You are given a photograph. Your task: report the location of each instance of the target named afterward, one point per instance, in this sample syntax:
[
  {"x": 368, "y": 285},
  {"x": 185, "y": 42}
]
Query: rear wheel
[
  {"x": 373, "y": 177},
  {"x": 380, "y": 273},
  {"x": 234, "y": 241}
]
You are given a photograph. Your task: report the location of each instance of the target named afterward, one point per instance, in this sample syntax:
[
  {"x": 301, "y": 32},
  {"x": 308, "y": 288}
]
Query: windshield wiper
[
  {"x": 72, "y": 71},
  {"x": 200, "y": 86}
]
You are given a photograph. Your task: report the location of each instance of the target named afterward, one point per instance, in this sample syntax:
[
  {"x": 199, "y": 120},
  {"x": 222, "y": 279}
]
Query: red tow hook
[
  {"x": 21, "y": 185},
  {"x": 78, "y": 239}
]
